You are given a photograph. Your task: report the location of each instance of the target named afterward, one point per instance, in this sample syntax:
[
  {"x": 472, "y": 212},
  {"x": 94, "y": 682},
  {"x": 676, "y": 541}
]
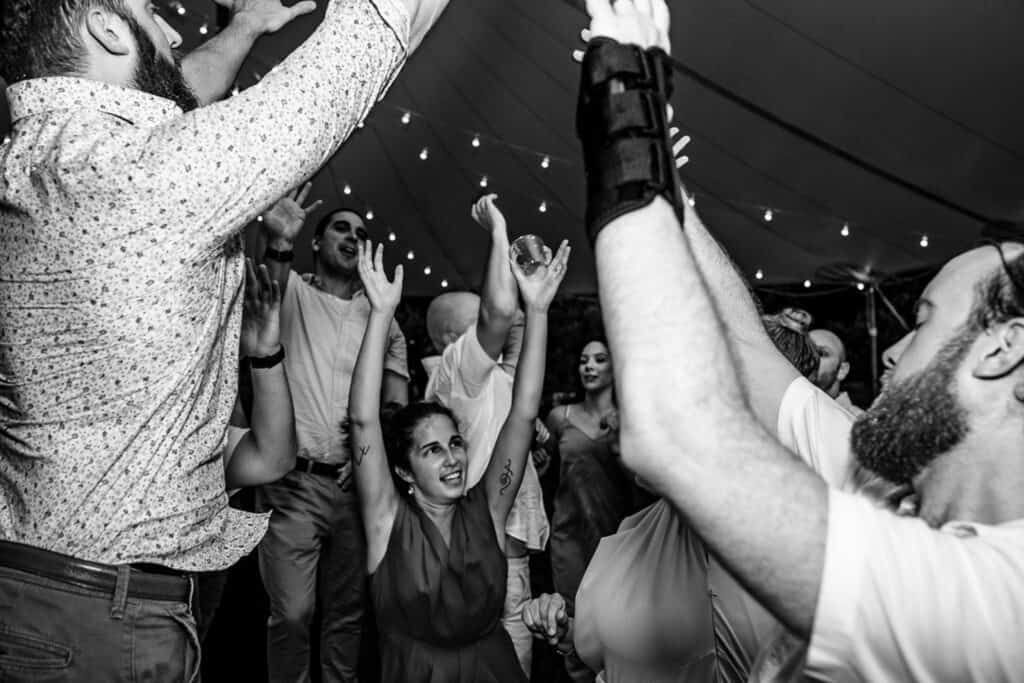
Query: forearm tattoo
[
  {"x": 361, "y": 455},
  {"x": 506, "y": 477}
]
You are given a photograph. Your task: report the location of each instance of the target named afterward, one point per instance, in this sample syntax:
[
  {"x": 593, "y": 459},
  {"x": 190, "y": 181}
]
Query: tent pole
[{"x": 872, "y": 321}]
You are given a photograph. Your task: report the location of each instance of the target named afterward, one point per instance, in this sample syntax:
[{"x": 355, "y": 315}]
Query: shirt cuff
[{"x": 846, "y": 556}]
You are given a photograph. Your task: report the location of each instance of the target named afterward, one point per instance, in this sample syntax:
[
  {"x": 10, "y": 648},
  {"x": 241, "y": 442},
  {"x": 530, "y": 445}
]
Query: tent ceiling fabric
[{"x": 924, "y": 89}]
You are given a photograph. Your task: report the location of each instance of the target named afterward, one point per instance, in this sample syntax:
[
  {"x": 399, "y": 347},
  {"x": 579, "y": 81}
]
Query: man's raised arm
[
  {"x": 686, "y": 425},
  {"x": 500, "y": 296}
]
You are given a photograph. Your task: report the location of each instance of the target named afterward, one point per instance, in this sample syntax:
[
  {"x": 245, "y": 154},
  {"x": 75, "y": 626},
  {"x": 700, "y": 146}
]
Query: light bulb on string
[
  {"x": 427, "y": 270},
  {"x": 545, "y": 162},
  {"x": 845, "y": 232},
  {"x": 543, "y": 208},
  {"x": 860, "y": 286},
  {"x": 406, "y": 118},
  {"x": 392, "y": 237},
  {"x": 768, "y": 215},
  {"x": 483, "y": 181},
  {"x": 759, "y": 274},
  {"x": 204, "y": 29},
  {"x": 410, "y": 255},
  {"x": 347, "y": 189},
  {"x": 444, "y": 284},
  {"x": 424, "y": 154},
  {"x": 259, "y": 219},
  {"x": 924, "y": 241},
  {"x": 692, "y": 201},
  {"x": 361, "y": 124},
  {"x": 369, "y": 214},
  {"x": 181, "y": 9},
  {"x": 7, "y": 138},
  {"x": 476, "y": 141},
  {"x": 807, "y": 284}
]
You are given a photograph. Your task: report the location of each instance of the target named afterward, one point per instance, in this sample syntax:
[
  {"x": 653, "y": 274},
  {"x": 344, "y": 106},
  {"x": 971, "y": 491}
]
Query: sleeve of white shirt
[
  {"x": 397, "y": 358},
  {"x": 900, "y": 601},
  {"x": 474, "y": 365},
  {"x": 816, "y": 428},
  {"x": 213, "y": 170}
]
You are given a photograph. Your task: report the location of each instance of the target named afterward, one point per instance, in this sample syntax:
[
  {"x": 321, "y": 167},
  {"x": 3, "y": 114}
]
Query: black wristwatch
[
  {"x": 266, "y": 362},
  {"x": 280, "y": 256}
]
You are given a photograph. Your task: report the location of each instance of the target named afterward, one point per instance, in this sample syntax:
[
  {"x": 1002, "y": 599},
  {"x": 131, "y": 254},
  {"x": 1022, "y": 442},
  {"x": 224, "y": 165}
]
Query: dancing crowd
[{"x": 713, "y": 506}]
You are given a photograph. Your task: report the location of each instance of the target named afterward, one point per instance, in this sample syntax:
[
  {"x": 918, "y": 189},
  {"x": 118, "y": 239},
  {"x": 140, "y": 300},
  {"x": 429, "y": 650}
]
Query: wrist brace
[{"x": 621, "y": 119}]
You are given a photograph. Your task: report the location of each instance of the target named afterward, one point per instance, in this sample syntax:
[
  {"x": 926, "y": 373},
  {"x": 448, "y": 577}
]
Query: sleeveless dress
[
  {"x": 654, "y": 607},
  {"x": 439, "y": 607},
  {"x": 594, "y": 495}
]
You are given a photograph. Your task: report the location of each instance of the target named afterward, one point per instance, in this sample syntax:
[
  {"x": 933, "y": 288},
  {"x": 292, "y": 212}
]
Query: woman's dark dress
[{"x": 439, "y": 607}]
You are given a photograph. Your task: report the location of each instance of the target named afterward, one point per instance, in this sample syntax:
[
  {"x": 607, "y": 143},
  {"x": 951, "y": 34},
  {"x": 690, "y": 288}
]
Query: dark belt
[
  {"x": 313, "y": 467},
  {"x": 148, "y": 583}
]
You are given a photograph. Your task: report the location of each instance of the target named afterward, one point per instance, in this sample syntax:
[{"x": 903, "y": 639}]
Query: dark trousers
[
  {"x": 61, "y": 632},
  {"x": 314, "y": 555}
]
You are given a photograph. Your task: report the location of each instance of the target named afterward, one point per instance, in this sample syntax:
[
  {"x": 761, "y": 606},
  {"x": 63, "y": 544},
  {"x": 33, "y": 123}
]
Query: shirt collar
[
  {"x": 429, "y": 363},
  {"x": 41, "y": 95}
]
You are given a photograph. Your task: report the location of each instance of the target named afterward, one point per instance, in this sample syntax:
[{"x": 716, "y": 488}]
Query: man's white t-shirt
[
  {"x": 817, "y": 428},
  {"x": 479, "y": 392}
]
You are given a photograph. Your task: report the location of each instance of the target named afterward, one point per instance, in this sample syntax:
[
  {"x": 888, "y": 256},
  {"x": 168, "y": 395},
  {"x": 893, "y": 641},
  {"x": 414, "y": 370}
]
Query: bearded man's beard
[
  {"x": 157, "y": 76},
  {"x": 915, "y": 420}
]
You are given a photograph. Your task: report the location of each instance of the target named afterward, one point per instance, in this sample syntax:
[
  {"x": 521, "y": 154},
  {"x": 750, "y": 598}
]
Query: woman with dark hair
[{"x": 435, "y": 550}]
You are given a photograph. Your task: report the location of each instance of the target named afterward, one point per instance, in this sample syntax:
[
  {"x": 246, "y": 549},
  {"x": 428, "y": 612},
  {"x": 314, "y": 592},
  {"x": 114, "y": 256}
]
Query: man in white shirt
[
  {"x": 881, "y": 597},
  {"x": 473, "y": 377},
  {"x": 834, "y": 367}
]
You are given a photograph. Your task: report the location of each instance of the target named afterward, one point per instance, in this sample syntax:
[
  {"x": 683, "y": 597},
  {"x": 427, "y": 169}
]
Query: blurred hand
[
  {"x": 384, "y": 294},
  {"x": 261, "y": 314},
  {"x": 266, "y": 16},
  {"x": 644, "y": 23},
  {"x": 488, "y": 216},
  {"x": 344, "y": 479},
  {"x": 284, "y": 220},
  {"x": 546, "y": 617},
  {"x": 539, "y": 287}
]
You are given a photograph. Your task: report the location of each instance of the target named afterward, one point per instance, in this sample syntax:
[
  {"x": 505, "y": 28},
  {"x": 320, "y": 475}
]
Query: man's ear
[
  {"x": 1002, "y": 351},
  {"x": 109, "y": 31},
  {"x": 844, "y": 370}
]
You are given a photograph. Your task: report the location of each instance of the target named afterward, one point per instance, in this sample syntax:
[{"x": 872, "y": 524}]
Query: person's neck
[
  {"x": 599, "y": 402},
  {"x": 341, "y": 285},
  {"x": 439, "y": 512},
  {"x": 834, "y": 391},
  {"x": 982, "y": 481}
]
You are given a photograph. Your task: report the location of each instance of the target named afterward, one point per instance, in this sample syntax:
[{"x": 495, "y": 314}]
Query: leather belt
[
  {"x": 160, "y": 583},
  {"x": 320, "y": 468}
]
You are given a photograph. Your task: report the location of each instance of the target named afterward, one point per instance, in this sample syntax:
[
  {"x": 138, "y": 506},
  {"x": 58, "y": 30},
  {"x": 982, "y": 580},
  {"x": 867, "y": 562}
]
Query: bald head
[
  {"x": 449, "y": 315},
  {"x": 833, "y": 367}
]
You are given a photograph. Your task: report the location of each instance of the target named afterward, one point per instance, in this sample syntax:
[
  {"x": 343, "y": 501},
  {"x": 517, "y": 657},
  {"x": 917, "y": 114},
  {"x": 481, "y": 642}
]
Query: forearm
[
  {"x": 498, "y": 299},
  {"x": 210, "y": 69},
  {"x": 760, "y": 510},
  {"x": 365, "y": 392},
  {"x": 273, "y": 421},
  {"x": 529, "y": 378}
]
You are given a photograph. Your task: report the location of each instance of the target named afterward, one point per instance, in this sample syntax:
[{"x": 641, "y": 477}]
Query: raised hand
[
  {"x": 266, "y": 16},
  {"x": 384, "y": 294},
  {"x": 539, "y": 287},
  {"x": 644, "y": 23},
  {"x": 487, "y": 214},
  {"x": 284, "y": 220},
  {"x": 547, "y": 618},
  {"x": 261, "y": 314}
]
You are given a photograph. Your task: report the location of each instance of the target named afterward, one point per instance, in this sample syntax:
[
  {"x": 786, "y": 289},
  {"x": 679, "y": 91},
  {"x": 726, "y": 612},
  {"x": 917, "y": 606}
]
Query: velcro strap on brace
[{"x": 621, "y": 120}]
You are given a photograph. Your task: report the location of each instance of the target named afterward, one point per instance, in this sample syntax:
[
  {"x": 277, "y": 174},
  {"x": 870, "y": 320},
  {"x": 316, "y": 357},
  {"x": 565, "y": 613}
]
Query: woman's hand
[
  {"x": 644, "y": 23},
  {"x": 261, "y": 314},
  {"x": 539, "y": 287},
  {"x": 547, "y": 618},
  {"x": 384, "y": 294}
]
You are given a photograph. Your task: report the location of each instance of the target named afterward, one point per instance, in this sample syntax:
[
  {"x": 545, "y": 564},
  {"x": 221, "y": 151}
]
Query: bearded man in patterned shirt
[{"x": 121, "y": 208}]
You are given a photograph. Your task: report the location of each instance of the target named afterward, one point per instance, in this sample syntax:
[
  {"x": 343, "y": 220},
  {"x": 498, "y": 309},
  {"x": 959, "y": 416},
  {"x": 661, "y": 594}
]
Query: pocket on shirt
[{"x": 30, "y": 656}]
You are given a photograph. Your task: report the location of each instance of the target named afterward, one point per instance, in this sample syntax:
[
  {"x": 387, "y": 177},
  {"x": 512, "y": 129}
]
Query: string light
[
  {"x": 424, "y": 154},
  {"x": 476, "y": 141},
  {"x": 410, "y": 255},
  {"x": 807, "y": 284},
  {"x": 860, "y": 286},
  {"x": 259, "y": 219},
  {"x": 545, "y": 162},
  {"x": 543, "y": 208},
  {"x": 369, "y": 214},
  {"x": 181, "y": 9},
  {"x": 924, "y": 241},
  {"x": 845, "y": 232},
  {"x": 406, "y": 118},
  {"x": 392, "y": 237},
  {"x": 204, "y": 29},
  {"x": 360, "y": 125},
  {"x": 347, "y": 189},
  {"x": 759, "y": 274},
  {"x": 768, "y": 216},
  {"x": 444, "y": 284},
  {"x": 235, "y": 91},
  {"x": 427, "y": 270},
  {"x": 692, "y": 201},
  {"x": 483, "y": 181}
]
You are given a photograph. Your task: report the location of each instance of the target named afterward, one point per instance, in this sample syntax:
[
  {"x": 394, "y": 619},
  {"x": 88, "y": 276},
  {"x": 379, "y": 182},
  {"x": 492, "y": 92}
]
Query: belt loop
[{"x": 117, "y": 608}]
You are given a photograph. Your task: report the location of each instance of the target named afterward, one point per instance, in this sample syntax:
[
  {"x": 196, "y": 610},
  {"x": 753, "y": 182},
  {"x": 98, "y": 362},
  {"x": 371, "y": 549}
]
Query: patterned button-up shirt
[{"x": 120, "y": 275}]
